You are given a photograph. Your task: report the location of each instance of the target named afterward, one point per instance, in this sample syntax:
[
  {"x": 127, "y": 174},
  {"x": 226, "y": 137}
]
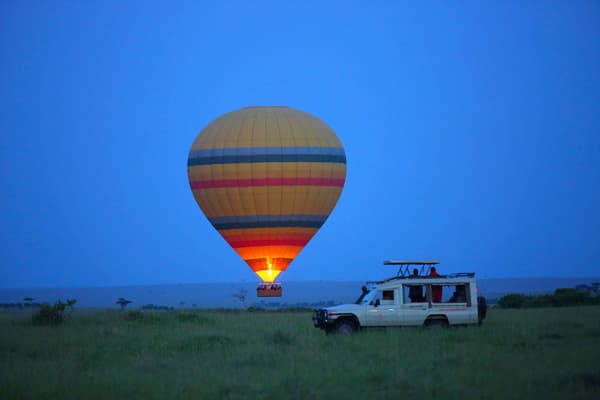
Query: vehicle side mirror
[{"x": 377, "y": 303}]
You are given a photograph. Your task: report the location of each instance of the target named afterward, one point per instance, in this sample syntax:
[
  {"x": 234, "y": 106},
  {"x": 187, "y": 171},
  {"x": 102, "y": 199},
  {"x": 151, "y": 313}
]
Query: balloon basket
[{"x": 269, "y": 290}]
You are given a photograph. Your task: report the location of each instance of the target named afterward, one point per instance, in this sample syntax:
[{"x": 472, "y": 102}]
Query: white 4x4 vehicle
[{"x": 420, "y": 298}]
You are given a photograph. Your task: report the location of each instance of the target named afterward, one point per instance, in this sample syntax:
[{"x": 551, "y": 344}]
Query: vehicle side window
[
  {"x": 377, "y": 297},
  {"x": 413, "y": 294},
  {"x": 459, "y": 295},
  {"x": 387, "y": 297}
]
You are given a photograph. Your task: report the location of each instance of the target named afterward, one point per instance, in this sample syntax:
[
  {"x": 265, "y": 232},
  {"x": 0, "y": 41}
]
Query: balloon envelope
[{"x": 267, "y": 178}]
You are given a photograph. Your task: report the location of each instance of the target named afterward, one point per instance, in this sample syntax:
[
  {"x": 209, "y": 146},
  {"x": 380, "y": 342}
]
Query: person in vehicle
[
  {"x": 415, "y": 293},
  {"x": 436, "y": 290},
  {"x": 459, "y": 295}
]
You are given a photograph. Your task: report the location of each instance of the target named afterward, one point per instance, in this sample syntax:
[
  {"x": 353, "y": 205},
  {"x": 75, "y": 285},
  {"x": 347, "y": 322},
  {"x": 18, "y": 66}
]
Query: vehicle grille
[{"x": 319, "y": 317}]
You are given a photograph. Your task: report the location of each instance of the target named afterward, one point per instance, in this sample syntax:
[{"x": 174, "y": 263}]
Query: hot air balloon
[{"x": 267, "y": 178}]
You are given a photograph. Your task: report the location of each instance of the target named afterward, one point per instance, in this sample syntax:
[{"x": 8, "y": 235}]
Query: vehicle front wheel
[{"x": 345, "y": 328}]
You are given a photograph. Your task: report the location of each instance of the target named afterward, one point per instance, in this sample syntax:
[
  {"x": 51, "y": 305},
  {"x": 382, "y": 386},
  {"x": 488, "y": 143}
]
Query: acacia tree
[
  {"x": 28, "y": 301},
  {"x": 71, "y": 305},
  {"x": 241, "y": 296},
  {"x": 123, "y": 302}
]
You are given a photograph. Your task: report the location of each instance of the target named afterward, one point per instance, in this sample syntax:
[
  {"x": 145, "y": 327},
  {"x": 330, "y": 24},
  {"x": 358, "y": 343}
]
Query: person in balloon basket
[
  {"x": 415, "y": 293},
  {"x": 436, "y": 290}
]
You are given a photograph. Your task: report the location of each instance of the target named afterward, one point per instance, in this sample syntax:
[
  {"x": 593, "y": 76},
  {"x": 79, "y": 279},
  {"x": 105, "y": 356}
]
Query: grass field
[{"x": 516, "y": 354}]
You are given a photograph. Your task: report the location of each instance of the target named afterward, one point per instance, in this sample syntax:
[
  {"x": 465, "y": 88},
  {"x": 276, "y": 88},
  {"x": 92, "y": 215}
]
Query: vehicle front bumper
[{"x": 321, "y": 319}]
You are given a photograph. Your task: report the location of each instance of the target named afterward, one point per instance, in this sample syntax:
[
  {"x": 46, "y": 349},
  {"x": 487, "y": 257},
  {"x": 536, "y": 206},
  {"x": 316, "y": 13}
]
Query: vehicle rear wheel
[
  {"x": 436, "y": 323},
  {"x": 345, "y": 328},
  {"x": 481, "y": 308}
]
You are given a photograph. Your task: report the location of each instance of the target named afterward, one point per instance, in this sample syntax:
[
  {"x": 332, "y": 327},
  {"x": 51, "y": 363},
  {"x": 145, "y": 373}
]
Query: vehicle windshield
[{"x": 364, "y": 296}]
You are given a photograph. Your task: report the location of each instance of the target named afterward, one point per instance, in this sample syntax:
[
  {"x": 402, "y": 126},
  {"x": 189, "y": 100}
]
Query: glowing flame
[{"x": 268, "y": 275}]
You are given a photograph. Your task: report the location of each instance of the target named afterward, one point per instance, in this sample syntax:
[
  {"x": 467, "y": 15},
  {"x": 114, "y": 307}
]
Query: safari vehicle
[{"x": 420, "y": 297}]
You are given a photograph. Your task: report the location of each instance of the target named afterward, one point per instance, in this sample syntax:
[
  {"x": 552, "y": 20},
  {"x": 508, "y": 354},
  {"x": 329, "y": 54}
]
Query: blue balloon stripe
[
  {"x": 272, "y": 218},
  {"x": 267, "y": 158},
  {"x": 257, "y": 151},
  {"x": 269, "y": 224},
  {"x": 268, "y": 221}
]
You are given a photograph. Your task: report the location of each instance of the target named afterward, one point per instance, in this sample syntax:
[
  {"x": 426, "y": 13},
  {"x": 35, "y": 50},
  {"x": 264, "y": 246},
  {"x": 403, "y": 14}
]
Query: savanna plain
[{"x": 550, "y": 353}]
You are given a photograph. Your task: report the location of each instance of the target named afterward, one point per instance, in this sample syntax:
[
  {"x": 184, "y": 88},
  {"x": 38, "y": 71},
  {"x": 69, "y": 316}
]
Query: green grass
[{"x": 515, "y": 354}]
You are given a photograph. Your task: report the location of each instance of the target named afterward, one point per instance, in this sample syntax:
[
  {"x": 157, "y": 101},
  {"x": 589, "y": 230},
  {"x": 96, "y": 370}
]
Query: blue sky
[{"x": 471, "y": 129}]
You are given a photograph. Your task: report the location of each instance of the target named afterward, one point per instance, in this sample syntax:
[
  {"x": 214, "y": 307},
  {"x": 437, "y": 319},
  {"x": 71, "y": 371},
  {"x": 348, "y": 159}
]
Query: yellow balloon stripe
[
  {"x": 301, "y": 200},
  {"x": 266, "y": 170}
]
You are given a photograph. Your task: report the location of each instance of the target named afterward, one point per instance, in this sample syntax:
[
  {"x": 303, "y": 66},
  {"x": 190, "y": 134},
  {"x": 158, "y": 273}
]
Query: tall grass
[{"x": 536, "y": 353}]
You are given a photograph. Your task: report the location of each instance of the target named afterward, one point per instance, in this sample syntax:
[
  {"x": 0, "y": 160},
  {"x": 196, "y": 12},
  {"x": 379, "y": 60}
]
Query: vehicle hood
[{"x": 344, "y": 308}]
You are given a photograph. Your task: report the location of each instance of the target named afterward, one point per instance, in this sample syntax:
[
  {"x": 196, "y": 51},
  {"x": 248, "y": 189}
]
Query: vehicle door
[
  {"x": 382, "y": 310},
  {"x": 414, "y": 307}
]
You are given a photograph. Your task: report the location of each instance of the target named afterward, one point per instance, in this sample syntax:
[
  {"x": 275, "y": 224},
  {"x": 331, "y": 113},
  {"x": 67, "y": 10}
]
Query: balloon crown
[{"x": 266, "y": 107}]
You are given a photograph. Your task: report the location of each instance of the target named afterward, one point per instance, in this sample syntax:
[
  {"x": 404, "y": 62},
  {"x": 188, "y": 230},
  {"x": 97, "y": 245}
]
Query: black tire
[
  {"x": 345, "y": 328},
  {"x": 436, "y": 323},
  {"x": 481, "y": 308}
]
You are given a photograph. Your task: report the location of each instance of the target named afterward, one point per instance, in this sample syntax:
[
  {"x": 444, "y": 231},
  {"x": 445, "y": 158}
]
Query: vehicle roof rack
[
  {"x": 461, "y": 275},
  {"x": 404, "y": 266}
]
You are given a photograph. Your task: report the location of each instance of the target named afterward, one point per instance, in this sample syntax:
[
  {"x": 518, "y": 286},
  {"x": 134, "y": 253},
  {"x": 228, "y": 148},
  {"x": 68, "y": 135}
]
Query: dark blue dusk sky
[{"x": 471, "y": 129}]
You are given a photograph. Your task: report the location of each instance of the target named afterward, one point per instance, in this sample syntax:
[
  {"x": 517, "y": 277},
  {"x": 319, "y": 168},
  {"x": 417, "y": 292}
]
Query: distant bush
[
  {"x": 570, "y": 297},
  {"x": 513, "y": 300},
  {"x": 50, "y": 314},
  {"x": 560, "y": 298}
]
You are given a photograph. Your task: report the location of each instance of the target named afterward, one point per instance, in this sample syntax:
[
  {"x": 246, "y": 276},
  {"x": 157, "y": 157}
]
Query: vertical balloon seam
[
  {"x": 282, "y": 188},
  {"x": 322, "y": 142},
  {"x": 224, "y": 195},
  {"x": 282, "y": 120},
  {"x": 209, "y": 207},
  {"x": 273, "y": 265},
  {"x": 296, "y": 188},
  {"x": 254, "y": 202},
  {"x": 308, "y": 121},
  {"x": 254, "y": 126},
  {"x": 303, "y": 193},
  {"x": 238, "y": 195},
  {"x": 212, "y": 144}
]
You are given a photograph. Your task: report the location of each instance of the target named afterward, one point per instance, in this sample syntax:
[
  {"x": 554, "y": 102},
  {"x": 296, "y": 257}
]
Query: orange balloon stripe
[
  {"x": 268, "y": 252},
  {"x": 254, "y": 233}
]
